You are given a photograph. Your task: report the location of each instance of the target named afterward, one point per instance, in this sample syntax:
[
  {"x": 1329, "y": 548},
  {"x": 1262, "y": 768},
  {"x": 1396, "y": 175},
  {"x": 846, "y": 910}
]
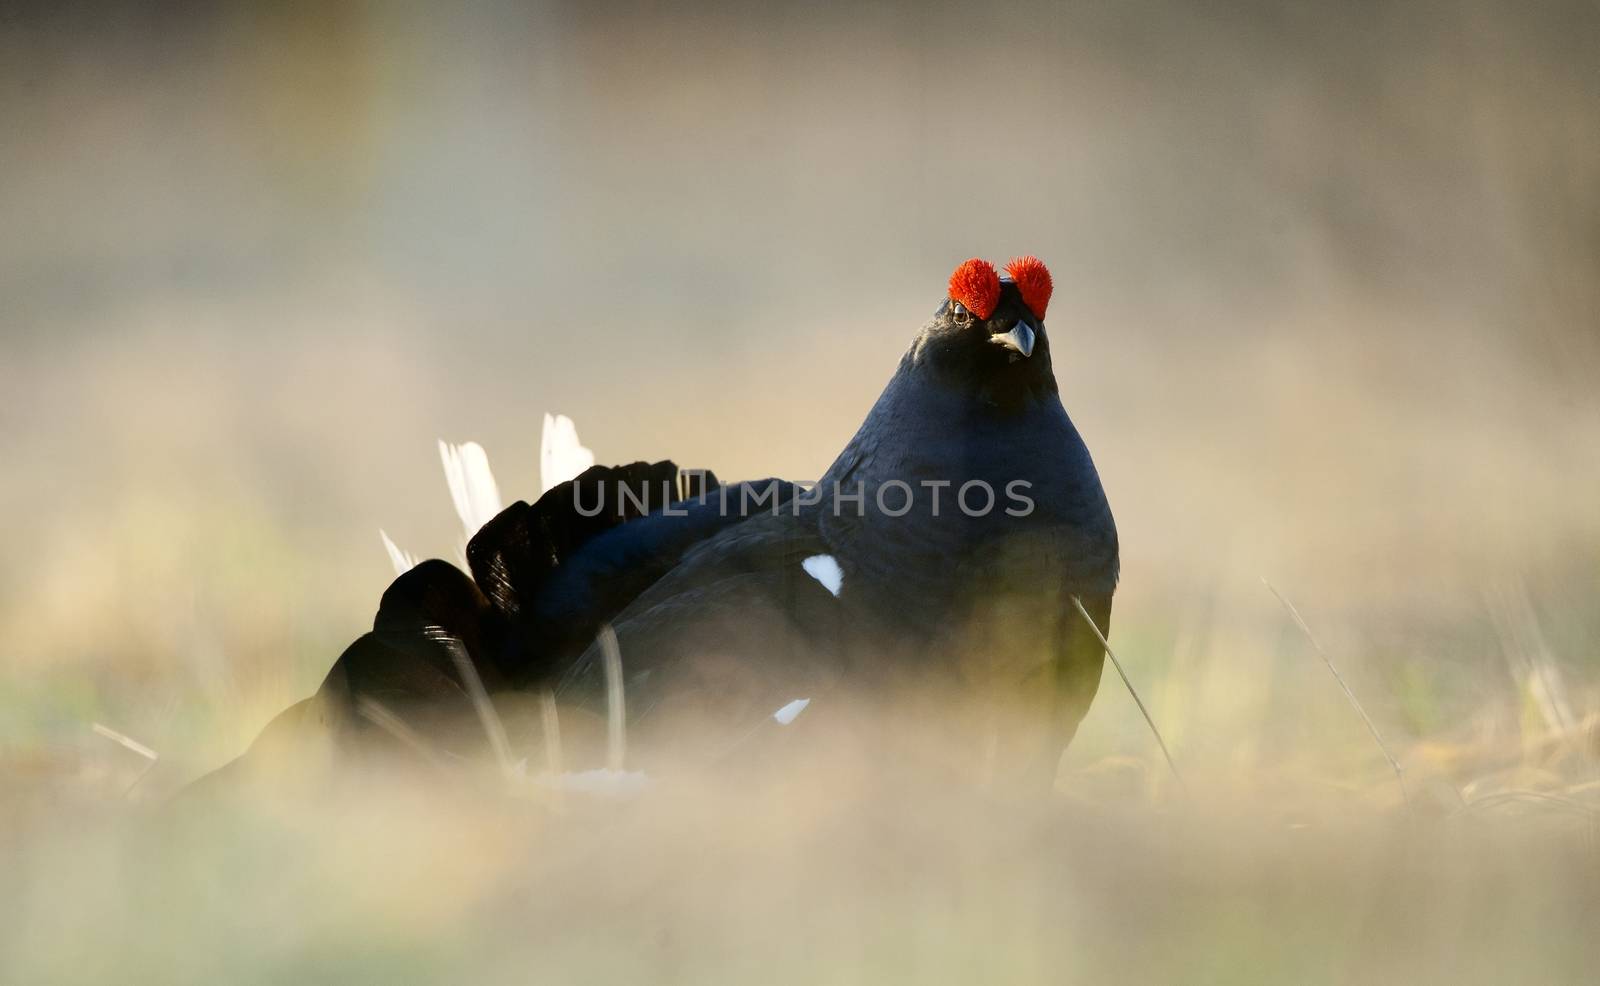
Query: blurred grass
[{"x": 834, "y": 877}]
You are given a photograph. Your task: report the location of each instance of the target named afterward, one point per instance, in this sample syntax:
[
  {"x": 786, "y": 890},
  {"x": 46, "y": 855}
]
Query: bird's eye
[{"x": 960, "y": 315}]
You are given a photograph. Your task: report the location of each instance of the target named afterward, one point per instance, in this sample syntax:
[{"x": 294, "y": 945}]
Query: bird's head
[{"x": 989, "y": 336}]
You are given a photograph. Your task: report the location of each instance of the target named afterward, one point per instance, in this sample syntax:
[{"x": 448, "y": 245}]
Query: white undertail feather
[
  {"x": 403, "y": 561},
  {"x": 472, "y": 485},
  {"x": 475, "y": 493},
  {"x": 561, "y": 455}
]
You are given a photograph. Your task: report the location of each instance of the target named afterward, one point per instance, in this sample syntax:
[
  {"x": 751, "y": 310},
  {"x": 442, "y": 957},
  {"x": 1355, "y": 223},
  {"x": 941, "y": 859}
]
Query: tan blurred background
[{"x": 1327, "y": 310}]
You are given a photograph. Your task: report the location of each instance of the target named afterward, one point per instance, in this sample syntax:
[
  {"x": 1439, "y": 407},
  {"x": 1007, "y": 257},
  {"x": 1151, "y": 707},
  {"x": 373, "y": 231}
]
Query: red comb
[
  {"x": 1033, "y": 282},
  {"x": 977, "y": 286}
]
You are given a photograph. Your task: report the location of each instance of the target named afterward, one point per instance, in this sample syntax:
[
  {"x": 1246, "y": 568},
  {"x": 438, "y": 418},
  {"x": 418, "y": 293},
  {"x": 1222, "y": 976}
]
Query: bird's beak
[{"x": 1020, "y": 338}]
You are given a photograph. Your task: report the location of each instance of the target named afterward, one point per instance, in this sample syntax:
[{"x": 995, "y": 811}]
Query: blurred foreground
[{"x": 843, "y": 870}]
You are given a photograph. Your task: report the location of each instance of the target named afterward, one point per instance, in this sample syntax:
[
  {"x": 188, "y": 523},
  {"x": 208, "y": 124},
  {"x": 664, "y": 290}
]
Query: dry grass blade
[
  {"x": 1078, "y": 603},
  {"x": 124, "y": 740},
  {"x": 616, "y": 709},
  {"x": 130, "y": 743},
  {"x": 550, "y": 718},
  {"x": 1528, "y": 656},
  {"x": 1501, "y": 798},
  {"x": 379, "y": 715},
  {"x": 492, "y": 726},
  {"x": 1294, "y": 614}
]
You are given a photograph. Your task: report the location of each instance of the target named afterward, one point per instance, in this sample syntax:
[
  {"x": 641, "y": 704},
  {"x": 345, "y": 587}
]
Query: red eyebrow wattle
[
  {"x": 976, "y": 286},
  {"x": 1033, "y": 283}
]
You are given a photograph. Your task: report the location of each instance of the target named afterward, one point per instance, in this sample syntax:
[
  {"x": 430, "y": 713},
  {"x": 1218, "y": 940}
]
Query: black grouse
[{"x": 943, "y": 547}]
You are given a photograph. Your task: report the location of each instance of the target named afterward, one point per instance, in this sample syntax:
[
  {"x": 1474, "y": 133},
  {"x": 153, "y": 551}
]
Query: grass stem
[
  {"x": 490, "y": 719},
  {"x": 616, "y": 709},
  {"x": 1294, "y": 614},
  {"x": 1131, "y": 691}
]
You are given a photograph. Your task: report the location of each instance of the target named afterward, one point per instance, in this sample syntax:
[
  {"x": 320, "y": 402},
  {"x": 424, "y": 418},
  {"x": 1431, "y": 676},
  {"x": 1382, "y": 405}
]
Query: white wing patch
[
  {"x": 561, "y": 455},
  {"x": 403, "y": 561},
  {"x": 825, "y": 569},
  {"x": 789, "y": 712}
]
